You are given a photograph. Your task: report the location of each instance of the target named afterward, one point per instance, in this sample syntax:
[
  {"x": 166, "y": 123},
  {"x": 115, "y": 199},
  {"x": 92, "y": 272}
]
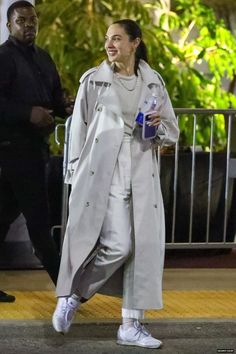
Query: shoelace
[
  {"x": 66, "y": 307},
  {"x": 140, "y": 330}
]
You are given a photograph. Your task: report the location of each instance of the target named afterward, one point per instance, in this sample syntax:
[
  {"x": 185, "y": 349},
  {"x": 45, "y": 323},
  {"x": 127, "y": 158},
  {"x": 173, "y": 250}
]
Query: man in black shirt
[{"x": 30, "y": 97}]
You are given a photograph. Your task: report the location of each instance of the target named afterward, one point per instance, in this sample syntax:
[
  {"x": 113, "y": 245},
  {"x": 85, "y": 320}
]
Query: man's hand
[
  {"x": 69, "y": 110},
  {"x": 70, "y": 102},
  {"x": 41, "y": 117}
]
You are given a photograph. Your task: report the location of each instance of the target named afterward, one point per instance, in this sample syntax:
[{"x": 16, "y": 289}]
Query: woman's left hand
[{"x": 154, "y": 119}]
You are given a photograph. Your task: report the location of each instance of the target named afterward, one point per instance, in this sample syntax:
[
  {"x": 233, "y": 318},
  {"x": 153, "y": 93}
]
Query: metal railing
[
  {"x": 173, "y": 217},
  {"x": 228, "y": 173}
]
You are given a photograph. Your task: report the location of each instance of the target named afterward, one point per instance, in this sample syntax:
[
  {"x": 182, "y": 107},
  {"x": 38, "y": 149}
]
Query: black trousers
[{"x": 23, "y": 189}]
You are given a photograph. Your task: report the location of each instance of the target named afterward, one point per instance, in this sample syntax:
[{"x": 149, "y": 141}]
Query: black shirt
[{"x": 28, "y": 77}]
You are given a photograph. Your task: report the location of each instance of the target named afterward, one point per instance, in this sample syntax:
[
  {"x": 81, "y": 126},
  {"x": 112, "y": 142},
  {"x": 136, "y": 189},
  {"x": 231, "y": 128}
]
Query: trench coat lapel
[
  {"x": 149, "y": 79},
  {"x": 110, "y": 99},
  {"x": 108, "y": 96}
]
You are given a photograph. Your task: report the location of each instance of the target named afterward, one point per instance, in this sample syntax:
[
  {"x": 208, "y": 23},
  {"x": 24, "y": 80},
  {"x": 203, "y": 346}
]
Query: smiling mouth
[{"x": 112, "y": 52}]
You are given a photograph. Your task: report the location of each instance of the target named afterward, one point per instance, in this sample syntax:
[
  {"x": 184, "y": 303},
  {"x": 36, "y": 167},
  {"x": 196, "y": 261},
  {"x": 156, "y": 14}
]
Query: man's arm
[{"x": 11, "y": 111}]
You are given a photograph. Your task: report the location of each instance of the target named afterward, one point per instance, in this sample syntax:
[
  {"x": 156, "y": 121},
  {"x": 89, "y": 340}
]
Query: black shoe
[{"x": 4, "y": 297}]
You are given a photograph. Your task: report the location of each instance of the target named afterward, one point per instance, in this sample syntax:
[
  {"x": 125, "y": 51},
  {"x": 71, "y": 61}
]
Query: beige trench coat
[{"x": 96, "y": 136}]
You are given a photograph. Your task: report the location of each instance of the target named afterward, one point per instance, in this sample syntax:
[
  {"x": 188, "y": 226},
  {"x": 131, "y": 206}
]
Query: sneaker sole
[{"x": 122, "y": 342}]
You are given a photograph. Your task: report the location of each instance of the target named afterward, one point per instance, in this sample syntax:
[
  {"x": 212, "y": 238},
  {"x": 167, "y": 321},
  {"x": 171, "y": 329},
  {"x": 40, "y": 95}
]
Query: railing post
[
  {"x": 227, "y": 177},
  {"x": 175, "y": 189},
  {"x": 209, "y": 181}
]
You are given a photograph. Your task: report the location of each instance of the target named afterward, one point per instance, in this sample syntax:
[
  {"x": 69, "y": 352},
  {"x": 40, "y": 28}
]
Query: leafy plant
[{"x": 187, "y": 45}]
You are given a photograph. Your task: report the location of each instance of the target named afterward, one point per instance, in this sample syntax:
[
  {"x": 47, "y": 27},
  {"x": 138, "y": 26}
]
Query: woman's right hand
[{"x": 154, "y": 119}]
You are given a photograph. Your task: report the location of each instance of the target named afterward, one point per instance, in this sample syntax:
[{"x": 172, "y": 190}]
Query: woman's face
[{"x": 118, "y": 45}]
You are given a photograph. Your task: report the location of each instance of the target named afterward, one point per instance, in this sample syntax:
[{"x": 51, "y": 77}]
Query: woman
[{"x": 116, "y": 227}]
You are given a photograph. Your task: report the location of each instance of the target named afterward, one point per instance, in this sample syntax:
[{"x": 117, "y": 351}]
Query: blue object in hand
[
  {"x": 139, "y": 118},
  {"x": 149, "y": 107}
]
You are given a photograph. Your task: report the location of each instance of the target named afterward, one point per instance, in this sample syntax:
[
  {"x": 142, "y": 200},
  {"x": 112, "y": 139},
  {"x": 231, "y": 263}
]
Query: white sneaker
[
  {"x": 64, "y": 313},
  {"x": 137, "y": 335}
]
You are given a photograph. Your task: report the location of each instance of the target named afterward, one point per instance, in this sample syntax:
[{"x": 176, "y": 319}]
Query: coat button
[
  {"x": 153, "y": 175},
  {"x": 87, "y": 204},
  {"x": 96, "y": 140},
  {"x": 155, "y": 205},
  {"x": 99, "y": 109},
  {"x": 91, "y": 173}
]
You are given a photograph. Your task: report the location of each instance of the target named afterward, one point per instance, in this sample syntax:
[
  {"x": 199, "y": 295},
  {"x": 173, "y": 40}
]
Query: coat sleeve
[
  {"x": 78, "y": 131},
  {"x": 168, "y": 130}
]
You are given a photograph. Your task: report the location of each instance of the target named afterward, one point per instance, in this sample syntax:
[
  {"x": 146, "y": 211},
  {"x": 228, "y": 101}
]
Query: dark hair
[
  {"x": 17, "y": 5},
  {"x": 133, "y": 31}
]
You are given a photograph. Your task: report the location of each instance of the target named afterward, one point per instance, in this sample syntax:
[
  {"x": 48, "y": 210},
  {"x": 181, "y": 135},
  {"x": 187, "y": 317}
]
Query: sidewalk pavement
[{"x": 179, "y": 337}]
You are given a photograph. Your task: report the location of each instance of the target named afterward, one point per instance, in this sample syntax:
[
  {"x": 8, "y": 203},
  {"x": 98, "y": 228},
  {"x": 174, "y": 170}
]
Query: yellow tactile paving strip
[{"x": 39, "y": 305}]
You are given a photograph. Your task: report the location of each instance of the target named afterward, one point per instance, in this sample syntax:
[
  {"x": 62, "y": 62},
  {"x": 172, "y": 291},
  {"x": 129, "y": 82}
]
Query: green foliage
[{"x": 191, "y": 49}]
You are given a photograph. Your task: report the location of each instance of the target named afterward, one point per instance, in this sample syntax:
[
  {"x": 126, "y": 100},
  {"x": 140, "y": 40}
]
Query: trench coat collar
[
  {"x": 104, "y": 73},
  {"x": 108, "y": 97}
]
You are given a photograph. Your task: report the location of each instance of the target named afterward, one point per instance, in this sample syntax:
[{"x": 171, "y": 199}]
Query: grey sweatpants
[{"x": 115, "y": 243}]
